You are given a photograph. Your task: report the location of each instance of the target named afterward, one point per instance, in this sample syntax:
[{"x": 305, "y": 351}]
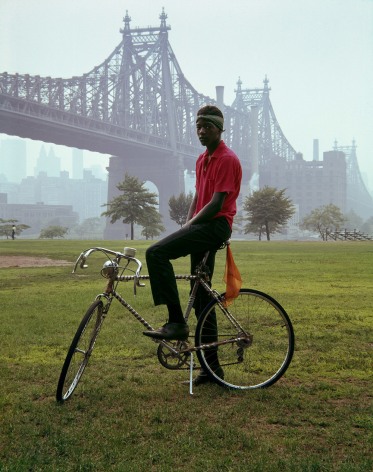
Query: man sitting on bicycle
[{"x": 208, "y": 225}]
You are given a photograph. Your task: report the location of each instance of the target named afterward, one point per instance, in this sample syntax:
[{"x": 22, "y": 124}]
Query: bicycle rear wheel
[
  {"x": 80, "y": 351},
  {"x": 254, "y": 341}
]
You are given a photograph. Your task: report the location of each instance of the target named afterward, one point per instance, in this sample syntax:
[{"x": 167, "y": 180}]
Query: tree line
[{"x": 267, "y": 211}]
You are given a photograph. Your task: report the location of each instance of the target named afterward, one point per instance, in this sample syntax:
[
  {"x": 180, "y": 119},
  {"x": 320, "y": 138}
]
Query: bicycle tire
[
  {"x": 258, "y": 350},
  {"x": 80, "y": 351}
]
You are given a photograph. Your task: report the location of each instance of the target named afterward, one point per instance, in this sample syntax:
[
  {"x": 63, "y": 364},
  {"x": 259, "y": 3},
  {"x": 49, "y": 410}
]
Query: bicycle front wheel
[
  {"x": 80, "y": 351},
  {"x": 252, "y": 341}
]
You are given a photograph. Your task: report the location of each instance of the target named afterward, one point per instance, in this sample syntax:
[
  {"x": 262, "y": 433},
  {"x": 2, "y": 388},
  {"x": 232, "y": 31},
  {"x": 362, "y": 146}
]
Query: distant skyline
[
  {"x": 317, "y": 55},
  {"x": 93, "y": 161}
]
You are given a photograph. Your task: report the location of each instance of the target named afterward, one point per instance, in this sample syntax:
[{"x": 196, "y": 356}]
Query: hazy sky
[{"x": 317, "y": 54}]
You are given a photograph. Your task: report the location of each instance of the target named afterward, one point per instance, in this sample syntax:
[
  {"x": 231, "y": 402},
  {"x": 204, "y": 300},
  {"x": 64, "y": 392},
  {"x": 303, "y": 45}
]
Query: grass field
[{"x": 131, "y": 414}]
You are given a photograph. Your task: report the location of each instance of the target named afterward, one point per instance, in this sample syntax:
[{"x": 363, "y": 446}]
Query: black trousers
[{"x": 193, "y": 240}]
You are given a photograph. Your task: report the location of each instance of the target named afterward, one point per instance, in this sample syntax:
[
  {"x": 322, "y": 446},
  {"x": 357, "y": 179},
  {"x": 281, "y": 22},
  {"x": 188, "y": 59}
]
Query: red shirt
[{"x": 222, "y": 174}]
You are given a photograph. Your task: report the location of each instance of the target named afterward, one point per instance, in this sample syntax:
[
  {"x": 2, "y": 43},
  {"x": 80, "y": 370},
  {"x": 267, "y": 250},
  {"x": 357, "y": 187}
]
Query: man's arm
[
  {"x": 208, "y": 211},
  {"x": 192, "y": 207}
]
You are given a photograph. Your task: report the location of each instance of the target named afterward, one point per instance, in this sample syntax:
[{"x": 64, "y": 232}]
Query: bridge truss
[
  {"x": 138, "y": 94},
  {"x": 271, "y": 141},
  {"x": 358, "y": 197}
]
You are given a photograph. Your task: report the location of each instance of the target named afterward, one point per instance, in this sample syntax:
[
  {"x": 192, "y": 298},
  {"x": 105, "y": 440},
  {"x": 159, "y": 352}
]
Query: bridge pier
[{"x": 164, "y": 170}]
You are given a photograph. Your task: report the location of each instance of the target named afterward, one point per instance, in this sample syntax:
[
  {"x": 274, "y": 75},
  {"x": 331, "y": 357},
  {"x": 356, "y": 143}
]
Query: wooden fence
[{"x": 348, "y": 235}]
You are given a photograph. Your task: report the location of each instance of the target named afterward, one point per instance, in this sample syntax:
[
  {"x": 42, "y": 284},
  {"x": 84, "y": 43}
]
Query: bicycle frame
[{"x": 201, "y": 278}]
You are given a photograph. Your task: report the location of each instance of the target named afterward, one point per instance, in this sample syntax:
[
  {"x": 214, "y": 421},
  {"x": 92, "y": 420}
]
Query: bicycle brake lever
[
  {"x": 137, "y": 283},
  {"x": 81, "y": 262}
]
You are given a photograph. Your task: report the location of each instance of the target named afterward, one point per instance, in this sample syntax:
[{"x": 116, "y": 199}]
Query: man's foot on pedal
[{"x": 176, "y": 331}]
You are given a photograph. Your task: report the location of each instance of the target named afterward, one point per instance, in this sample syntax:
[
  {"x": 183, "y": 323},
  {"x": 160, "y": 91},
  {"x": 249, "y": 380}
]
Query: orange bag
[{"x": 232, "y": 278}]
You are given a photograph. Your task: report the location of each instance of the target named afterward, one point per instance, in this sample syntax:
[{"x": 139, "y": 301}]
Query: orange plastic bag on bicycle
[{"x": 232, "y": 278}]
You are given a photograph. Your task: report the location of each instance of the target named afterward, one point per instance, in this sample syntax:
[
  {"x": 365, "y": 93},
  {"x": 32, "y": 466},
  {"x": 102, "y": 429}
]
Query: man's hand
[{"x": 208, "y": 212}]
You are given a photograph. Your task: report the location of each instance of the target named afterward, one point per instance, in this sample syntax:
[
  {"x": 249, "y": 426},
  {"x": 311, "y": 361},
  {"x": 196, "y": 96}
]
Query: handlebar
[{"x": 82, "y": 260}]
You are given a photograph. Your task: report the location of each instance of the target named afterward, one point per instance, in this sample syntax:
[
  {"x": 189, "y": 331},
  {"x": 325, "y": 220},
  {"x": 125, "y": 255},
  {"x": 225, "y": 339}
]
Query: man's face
[{"x": 207, "y": 132}]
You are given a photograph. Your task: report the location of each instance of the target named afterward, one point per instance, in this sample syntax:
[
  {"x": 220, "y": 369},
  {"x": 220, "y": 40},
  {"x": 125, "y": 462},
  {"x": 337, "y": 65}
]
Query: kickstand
[{"x": 191, "y": 375}]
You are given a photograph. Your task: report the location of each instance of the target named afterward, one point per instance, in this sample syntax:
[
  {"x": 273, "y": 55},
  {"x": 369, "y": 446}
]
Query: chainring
[{"x": 171, "y": 360}]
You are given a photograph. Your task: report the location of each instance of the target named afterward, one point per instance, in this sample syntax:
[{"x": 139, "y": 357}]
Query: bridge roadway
[
  {"x": 150, "y": 158},
  {"x": 34, "y": 121}
]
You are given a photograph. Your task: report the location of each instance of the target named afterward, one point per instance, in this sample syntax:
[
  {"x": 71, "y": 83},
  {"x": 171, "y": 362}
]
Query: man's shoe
[
  {"x": 203, "y": 378},
  {"x": 177, "y": 331}
]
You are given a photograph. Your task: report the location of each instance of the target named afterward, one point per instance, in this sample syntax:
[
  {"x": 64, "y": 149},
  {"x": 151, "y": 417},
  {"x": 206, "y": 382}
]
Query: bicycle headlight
[{"x": 109, "y": 269}]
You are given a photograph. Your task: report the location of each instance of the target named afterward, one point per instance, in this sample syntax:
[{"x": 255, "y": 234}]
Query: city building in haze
[
  {"x": 13, "y": 165},
  {"x": 39, "y": 216},
  {"x": 310, "y": 184},
  {"x": 77, "y": 163},
  {"x": 48, "y": 163},
  {"x": 85, "y": 193}
]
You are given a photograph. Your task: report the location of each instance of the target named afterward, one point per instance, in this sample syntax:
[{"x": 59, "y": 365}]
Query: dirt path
[{"x": 26, "y": 261}]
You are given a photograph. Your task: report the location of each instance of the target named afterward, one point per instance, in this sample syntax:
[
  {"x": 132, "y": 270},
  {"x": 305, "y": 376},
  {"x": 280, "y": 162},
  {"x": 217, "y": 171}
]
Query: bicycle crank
[{"x": 169, "y": 355}]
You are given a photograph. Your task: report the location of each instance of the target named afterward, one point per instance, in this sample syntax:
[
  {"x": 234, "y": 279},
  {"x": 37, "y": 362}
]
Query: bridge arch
[{"x": 166, "y": 173}]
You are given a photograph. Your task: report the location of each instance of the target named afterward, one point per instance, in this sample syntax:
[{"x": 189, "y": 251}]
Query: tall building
[
  {"x": 77, "y": 163},
  {"x": 13, "y": 165},
  {"x": 48, "y": 163}
]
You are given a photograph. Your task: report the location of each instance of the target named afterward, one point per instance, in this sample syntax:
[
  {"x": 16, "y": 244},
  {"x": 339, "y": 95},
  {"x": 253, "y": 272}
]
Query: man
[{"x": 208, "y": 225}]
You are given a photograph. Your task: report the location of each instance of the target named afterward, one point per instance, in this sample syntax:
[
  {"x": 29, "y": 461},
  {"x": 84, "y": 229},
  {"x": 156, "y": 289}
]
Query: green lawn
[{"x": 131, "y": 414}]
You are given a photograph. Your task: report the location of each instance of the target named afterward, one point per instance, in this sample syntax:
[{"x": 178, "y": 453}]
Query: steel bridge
[
  {"x": 358, "y": 197},
  {"x": 139, "y": 107}
]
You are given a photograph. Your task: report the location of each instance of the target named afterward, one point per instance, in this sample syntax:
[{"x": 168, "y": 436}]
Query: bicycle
[{"x": 253, "y": 336}]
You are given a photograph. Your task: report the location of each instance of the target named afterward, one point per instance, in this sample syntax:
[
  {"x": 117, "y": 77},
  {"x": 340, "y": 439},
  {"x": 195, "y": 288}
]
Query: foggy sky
[{"x": 317, "y": 54}]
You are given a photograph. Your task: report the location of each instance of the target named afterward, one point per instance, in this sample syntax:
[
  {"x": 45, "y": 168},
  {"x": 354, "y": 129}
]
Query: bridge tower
[
  {"x": 358, "y": 197},
  {"x": 164, "y": 168}
]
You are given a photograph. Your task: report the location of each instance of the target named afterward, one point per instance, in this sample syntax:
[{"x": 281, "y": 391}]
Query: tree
[
  {"x": 52, "y": 232},
  {"x": 367, "y": 226},
  {"x": 152, "y": 224},
  {"x": 132, "y": 205},
  {"x": 268, "y": 211},
  {"x": 353, "y": 221},
  {"x": 91, "y": 228},
  {"x": 324, "y": 218},
  {"x": 179, "y": 207},
  {"x": 7, "y": 225}
]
